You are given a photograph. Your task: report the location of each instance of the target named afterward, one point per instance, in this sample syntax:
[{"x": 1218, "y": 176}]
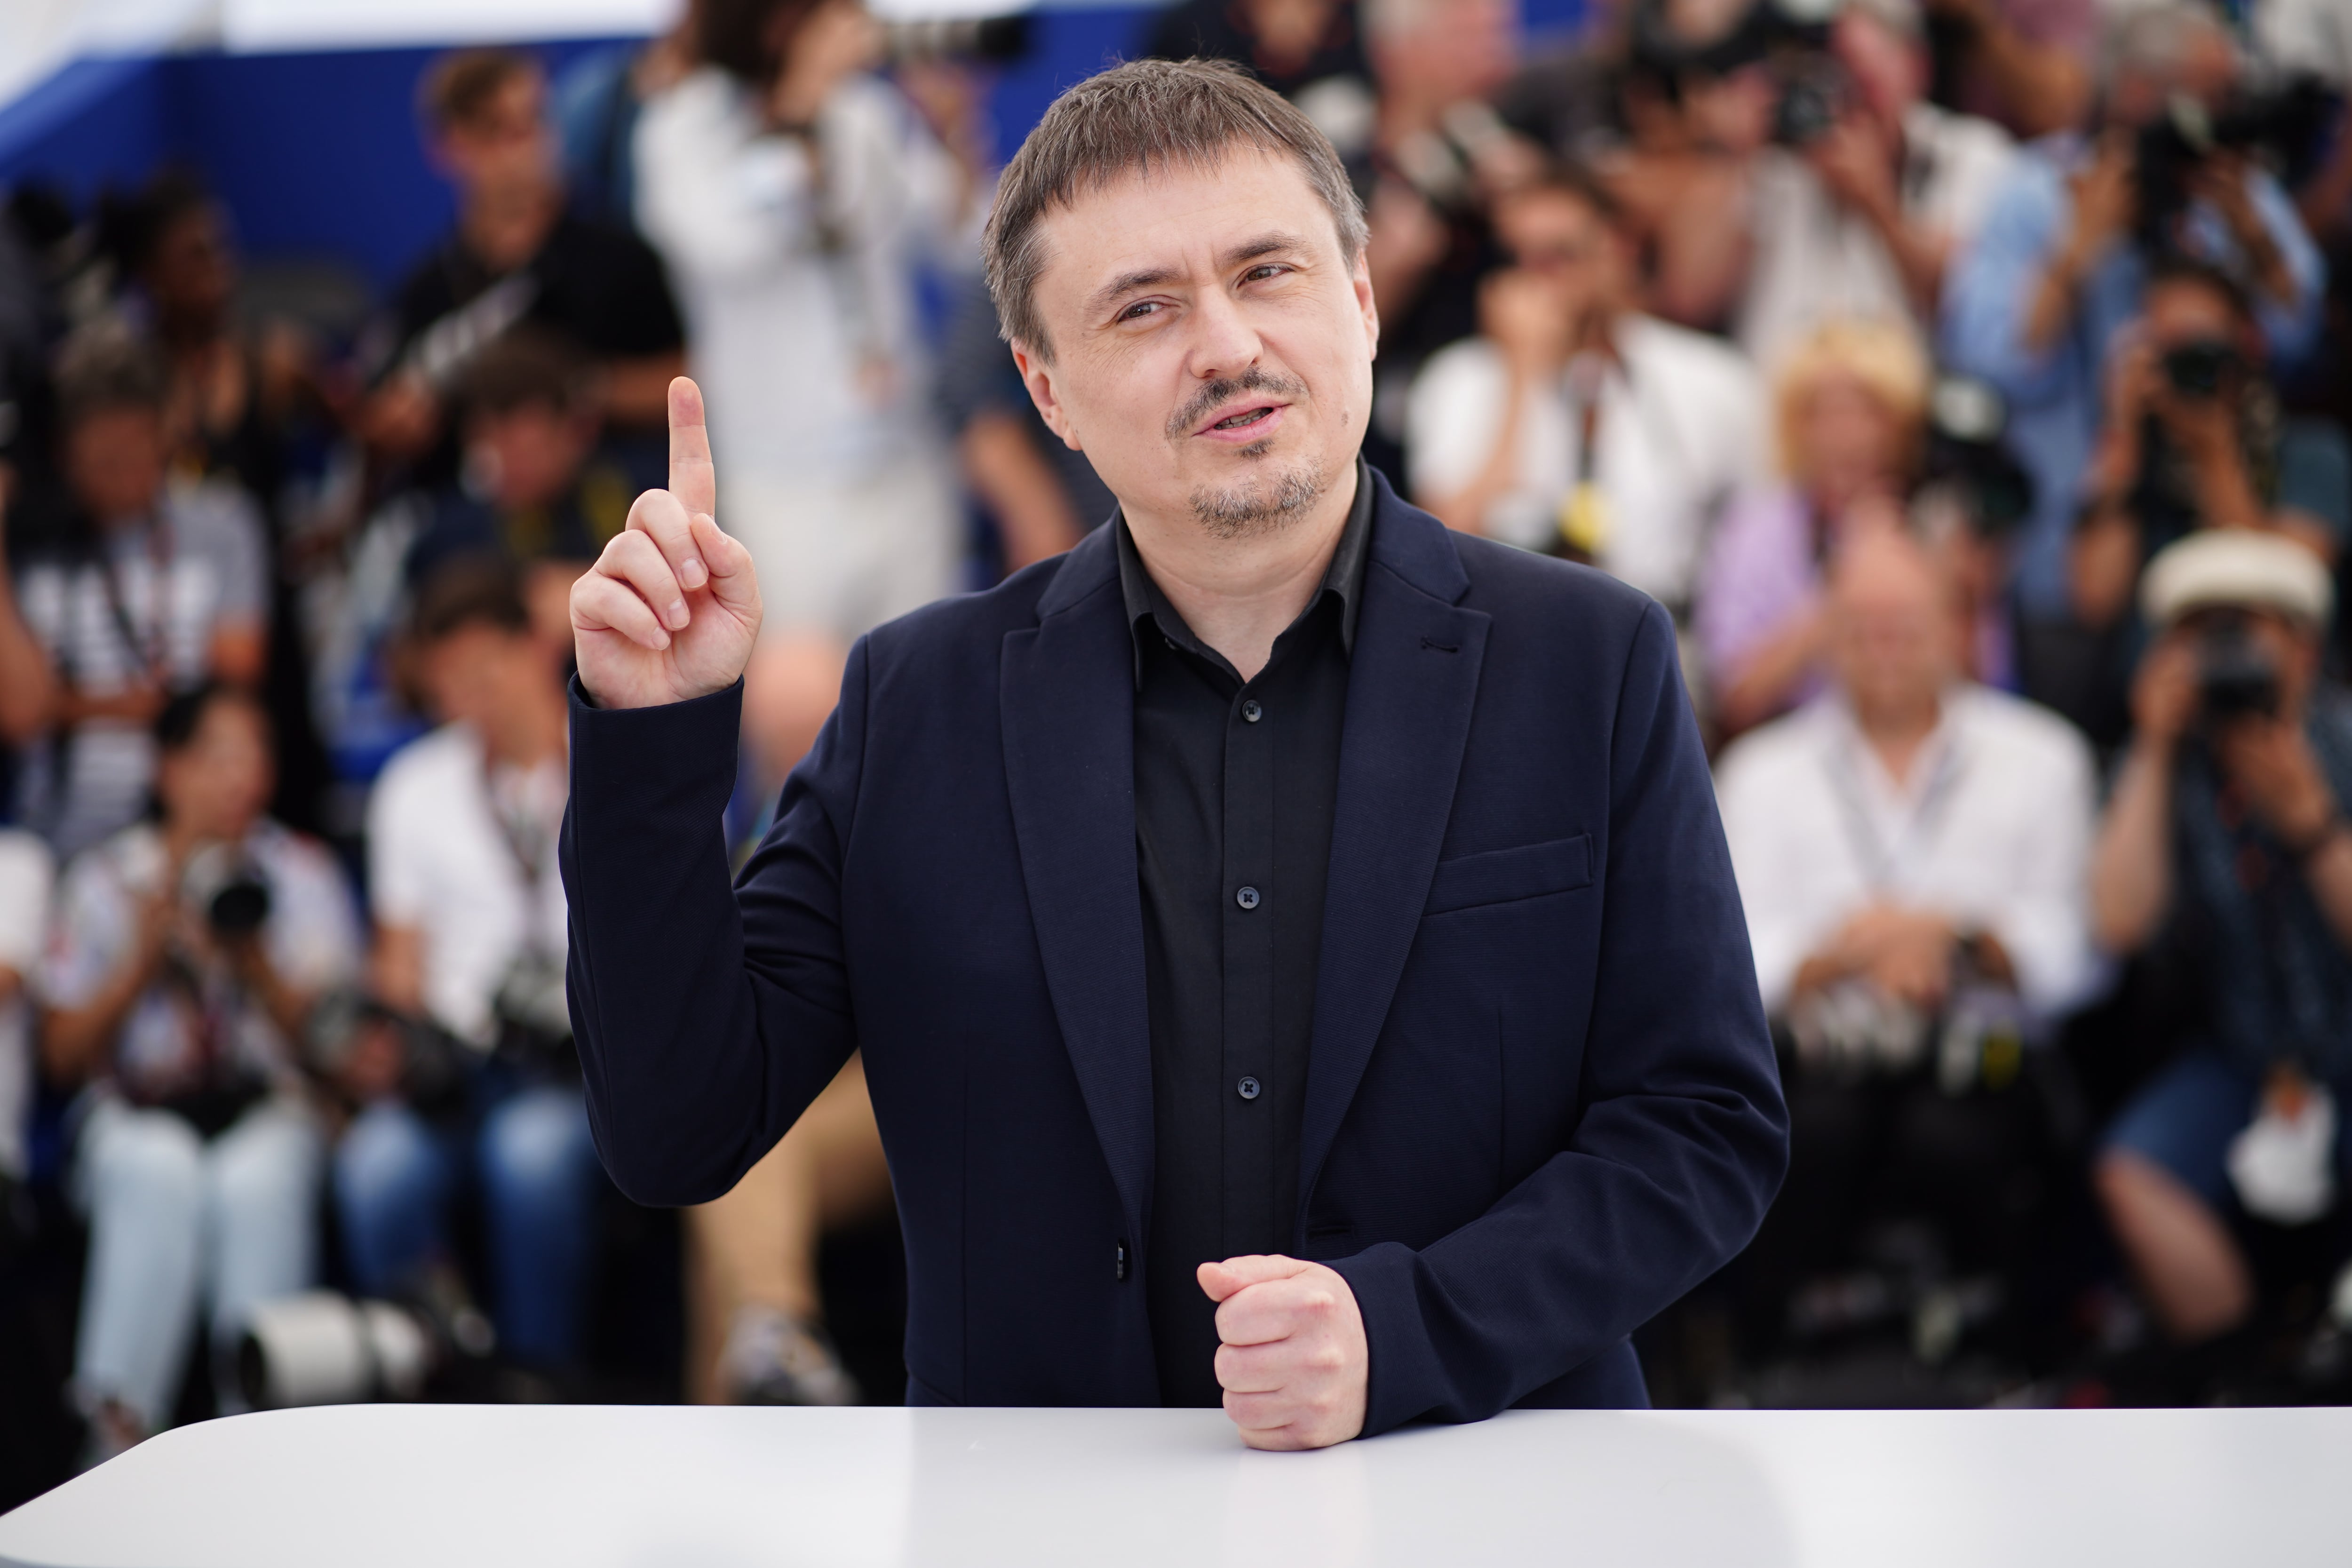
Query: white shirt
[
  {"x": 810, "y": 357},
  {"x": 441, "y": 862},
  {"x": 143, "y": 608},
  {"x": 1816, "y": 258},
  {"x": 311, "y": 938},
  {"x": 26, "y": 876},
  {"x": 1680, "y": 426},
  {"x": 1992, "y": 830}
]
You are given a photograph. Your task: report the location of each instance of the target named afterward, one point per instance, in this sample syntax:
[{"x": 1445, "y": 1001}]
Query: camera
[
  {"x": 432, "y": 1072},
  {"x": 2279, "y": 126},
  {"x": 534, "y": 1013},
  {"x": 229, "y": 889},
  {"x": 2201, "y": 370},
  {"x": 2236, "y": 678},
  {"x": 989, "y": 40},
  {"x": 1969, "y": 473},
  {"x": 1815, "y": 91},
  {"x": 321, "y": 1348}
]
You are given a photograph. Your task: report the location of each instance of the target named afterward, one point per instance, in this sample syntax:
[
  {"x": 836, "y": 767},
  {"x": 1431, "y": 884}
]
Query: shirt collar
[
  {"x": 1939, "y": 753},
  {"x": 1345, "y": 577}
]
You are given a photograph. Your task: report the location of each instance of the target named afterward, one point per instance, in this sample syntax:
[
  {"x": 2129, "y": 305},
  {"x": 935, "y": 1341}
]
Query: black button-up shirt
[{"x": 1234, "y": 783}]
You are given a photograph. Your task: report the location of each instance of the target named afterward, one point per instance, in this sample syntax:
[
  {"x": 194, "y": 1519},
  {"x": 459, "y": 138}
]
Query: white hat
[{"x": 2238, "y": 567}]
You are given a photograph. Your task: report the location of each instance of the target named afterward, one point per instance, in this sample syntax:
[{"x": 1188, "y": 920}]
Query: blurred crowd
[{"x": 1964, "y": 376}]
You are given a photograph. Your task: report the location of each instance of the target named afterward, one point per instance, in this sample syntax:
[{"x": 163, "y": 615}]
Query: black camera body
[
  {"x": 1969, "y": 462},
  {"x": 229, "y": 889},
  {"x": 2202, "y": 371},
  {"x": 2280, "y": 127},
  {"x": 2236, "y": 678},
  {"x": 240, "y": 909},
  {"x": 1815, "y": 92}
]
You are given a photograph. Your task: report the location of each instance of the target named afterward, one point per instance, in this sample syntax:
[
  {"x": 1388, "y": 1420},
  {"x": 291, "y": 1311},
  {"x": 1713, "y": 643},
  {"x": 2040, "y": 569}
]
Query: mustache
[{"x": 1205, "y": 402}]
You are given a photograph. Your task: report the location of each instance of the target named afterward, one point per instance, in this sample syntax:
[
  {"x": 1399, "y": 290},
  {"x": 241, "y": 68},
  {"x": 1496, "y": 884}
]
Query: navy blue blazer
[{"x": 1541, "y": 1102}]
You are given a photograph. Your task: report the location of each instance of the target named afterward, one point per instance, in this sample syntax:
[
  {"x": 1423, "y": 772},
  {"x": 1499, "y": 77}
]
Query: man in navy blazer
[{"x": 1518, "y": 1088}]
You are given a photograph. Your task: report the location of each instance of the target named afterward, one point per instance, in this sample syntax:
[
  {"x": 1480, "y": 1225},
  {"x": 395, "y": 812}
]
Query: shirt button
[
  {"x": 1248, "y": 1087},
  {"x": 1251, "y": 710},
  {"x": 1246, "y": 897}
]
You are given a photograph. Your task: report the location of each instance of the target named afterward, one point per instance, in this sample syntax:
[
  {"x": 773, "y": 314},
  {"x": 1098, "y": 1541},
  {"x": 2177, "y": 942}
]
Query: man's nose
[{"x": 1224, "y": 341}]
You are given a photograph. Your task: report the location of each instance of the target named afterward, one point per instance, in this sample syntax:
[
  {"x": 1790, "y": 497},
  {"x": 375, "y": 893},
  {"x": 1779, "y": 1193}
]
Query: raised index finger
[{"x": 690, "y": 476}]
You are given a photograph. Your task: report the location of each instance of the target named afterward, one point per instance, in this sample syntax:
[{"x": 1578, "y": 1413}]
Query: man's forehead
[{"x": 1171, "y": 215}]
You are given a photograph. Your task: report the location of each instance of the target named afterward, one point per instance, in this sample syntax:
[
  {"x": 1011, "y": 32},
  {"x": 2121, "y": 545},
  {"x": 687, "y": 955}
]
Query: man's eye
[
  {"x": 1134, "y": 313},
  {"x": 1266, "y": 269}
]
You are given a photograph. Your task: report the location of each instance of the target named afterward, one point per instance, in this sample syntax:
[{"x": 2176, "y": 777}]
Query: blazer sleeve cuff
[
  {"x": 1404, "y": 1380},
  {"x": 655, "y": 752}
]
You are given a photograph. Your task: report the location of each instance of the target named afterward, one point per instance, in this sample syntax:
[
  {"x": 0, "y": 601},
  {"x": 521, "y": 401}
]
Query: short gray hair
[
  {"x": 1143, "y": 117},
  {"x": 2154, "y": 40}
]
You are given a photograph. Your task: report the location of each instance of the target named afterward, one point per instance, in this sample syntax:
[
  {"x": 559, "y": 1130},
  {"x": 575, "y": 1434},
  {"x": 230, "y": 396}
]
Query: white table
[{"x": 455, "y": 1486}]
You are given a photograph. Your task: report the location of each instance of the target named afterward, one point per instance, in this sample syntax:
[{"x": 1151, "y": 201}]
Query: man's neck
[
  {"x": 507, "y": 231},
  {"x": 1897, "y": 734},
  {"x": 1239, "y": 594}
]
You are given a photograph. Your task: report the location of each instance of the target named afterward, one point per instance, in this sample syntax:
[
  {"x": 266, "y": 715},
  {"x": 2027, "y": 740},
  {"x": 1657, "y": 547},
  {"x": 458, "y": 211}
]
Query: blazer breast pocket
[{"x": 1507, "y": 876}]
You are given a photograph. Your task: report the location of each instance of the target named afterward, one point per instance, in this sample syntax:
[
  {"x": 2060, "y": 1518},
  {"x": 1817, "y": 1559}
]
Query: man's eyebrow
[
  {"x": 1263, "y": 245},
  {"x": 1127, "y": 283}
]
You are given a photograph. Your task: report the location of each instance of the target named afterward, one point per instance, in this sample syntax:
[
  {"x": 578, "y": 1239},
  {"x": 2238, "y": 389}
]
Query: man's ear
[
  {"x": 1038, "y": 376},
  {"x": 1361, "y": 279}
]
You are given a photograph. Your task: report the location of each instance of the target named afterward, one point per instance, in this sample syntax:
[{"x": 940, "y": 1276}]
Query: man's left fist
[{"x": 1294, "y": 1363}]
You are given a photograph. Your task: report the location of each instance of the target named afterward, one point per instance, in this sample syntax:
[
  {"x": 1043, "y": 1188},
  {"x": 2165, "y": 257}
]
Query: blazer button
[
  {"x": 1248, "y": 1087},
  {"x": 1251, "y": 710},
  {"x": 1120, "y": 1263},
  {"x": 1246, "y": 897}
]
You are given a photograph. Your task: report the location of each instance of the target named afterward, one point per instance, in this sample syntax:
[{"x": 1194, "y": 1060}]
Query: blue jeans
[
  {"x": 396, "y": 1173},
  {"x": 174, "y": 1219}
]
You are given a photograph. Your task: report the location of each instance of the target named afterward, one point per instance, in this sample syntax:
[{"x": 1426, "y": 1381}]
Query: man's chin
[{"x": 1268, "y": 496}]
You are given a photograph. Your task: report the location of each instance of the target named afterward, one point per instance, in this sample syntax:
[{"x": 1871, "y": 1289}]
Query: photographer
[
  {"x": 1850, "y": 411},
  {"x": 1574, "y": 422},
  {"x": 795, "y": 197},
  {"x": 2035, "y": 305},
  {"x": 184, "y": 960},
  {"x": 518, "y": 253},
  {"x": 1869, "y": 190},
  {"x": 2227, "y": 824},
  {"x": 1439, "y": 155},
  {"x": 2196, "y": 437},
  {"x": 545, "y": 499},
  {"x": 150, "y": 587},
  {"x": 1910, "y": 849},
  {"x": 470, "y": 938}
]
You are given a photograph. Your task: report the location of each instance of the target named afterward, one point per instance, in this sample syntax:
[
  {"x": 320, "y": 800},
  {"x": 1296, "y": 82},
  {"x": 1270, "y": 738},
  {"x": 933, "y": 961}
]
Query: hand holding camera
[
  {"x": 1522, "y": 313},
  {"x": 1855, "y": 161},
  {"x": 2271, "y": 761}
]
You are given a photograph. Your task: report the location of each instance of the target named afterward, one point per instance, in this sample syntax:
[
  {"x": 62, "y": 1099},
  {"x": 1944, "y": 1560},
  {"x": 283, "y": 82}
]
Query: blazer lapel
[
  {"x": 1412, "y": 678},
  {"x": 1067, "y": 698}
]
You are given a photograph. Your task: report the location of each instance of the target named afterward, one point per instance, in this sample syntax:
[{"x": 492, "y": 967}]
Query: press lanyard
[
  {"x": 1877, "y": 858},
  {"x": 1584, "y": 520},
  {"x": 518, "y": 831},
  {"x": 151, "y": 647}
]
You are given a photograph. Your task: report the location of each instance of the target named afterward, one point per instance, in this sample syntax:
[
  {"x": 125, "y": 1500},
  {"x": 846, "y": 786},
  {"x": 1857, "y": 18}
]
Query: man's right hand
[
  {"x": 2164, "y": 694},
  {"x": 671, "y": 609}
]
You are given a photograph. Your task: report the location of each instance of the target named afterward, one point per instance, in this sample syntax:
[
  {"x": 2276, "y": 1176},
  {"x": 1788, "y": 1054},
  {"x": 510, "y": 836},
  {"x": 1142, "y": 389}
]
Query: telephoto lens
[
  {"x": 989, "y": 40},
  {"x": 319, "y": 1348}
]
